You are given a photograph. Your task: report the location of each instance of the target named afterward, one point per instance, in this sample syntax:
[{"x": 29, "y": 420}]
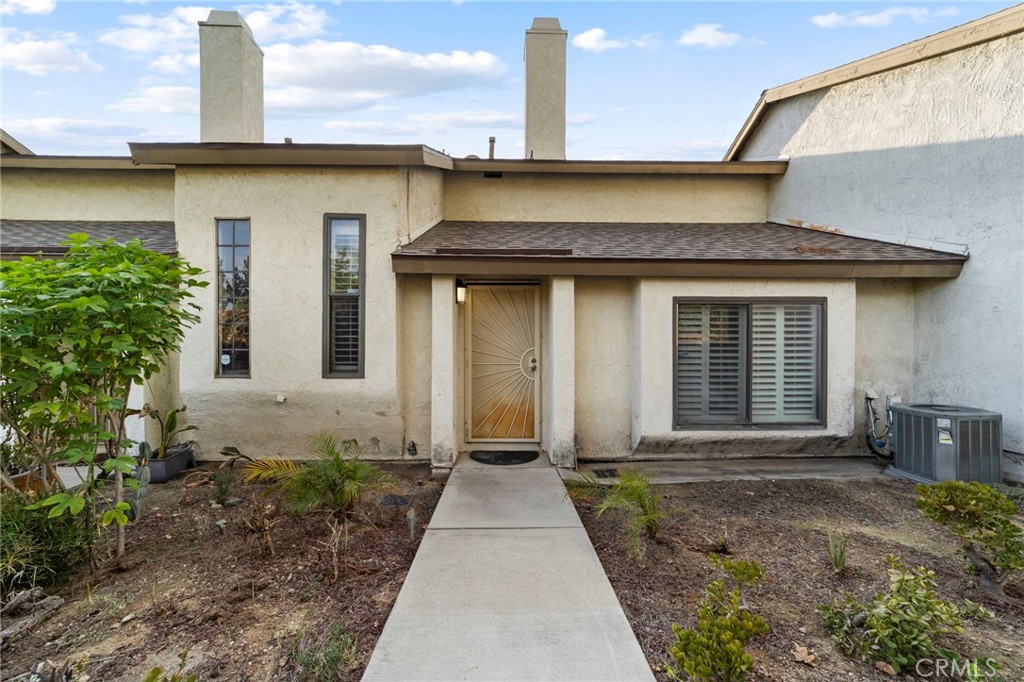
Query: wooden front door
[{"x": 504, "y": 370}]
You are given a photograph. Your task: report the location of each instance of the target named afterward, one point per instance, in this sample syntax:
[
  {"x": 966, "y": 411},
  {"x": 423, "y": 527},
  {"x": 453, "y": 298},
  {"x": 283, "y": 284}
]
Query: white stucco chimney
[
  {"x": 230, "y": 80},
  {"x": 545, "y": 90}
]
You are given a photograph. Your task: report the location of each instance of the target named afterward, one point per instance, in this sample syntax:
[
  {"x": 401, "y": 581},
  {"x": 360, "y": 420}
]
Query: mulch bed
[
  {"x": 782, "y": 525},
  {"x": 222, "y": 596}
]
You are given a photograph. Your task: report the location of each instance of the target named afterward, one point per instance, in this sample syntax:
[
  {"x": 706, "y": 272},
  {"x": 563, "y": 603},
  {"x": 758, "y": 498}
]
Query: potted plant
[
  {"x": 23, "y": 471},
  {"x": 167, "y": 461}
]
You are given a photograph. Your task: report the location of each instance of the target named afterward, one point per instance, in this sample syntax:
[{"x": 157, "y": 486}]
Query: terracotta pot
[{"x": 32, "y": 481}]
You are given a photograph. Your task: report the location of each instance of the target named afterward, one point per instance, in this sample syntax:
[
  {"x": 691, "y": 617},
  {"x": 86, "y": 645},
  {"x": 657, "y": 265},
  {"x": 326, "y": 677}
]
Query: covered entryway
[{"x": 503, "y": 373}]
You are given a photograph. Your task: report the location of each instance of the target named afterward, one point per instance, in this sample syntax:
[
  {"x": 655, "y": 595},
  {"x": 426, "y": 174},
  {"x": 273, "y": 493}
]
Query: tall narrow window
[
  {"x": 233, "y": 298},
  {"x": 750, "y": 363},
  {"x": 345, "y": 240}
]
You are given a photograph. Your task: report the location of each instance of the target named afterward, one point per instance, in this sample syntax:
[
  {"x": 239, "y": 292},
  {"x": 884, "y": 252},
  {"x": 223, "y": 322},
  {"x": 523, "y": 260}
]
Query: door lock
[{"x": 533, "y": 364}]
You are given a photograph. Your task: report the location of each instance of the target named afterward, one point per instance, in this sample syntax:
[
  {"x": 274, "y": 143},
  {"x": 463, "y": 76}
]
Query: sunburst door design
[{"x": 503, "y": 365}]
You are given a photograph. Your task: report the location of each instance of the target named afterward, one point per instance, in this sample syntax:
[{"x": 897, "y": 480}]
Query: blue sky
[{"x": 664, "y": 80}]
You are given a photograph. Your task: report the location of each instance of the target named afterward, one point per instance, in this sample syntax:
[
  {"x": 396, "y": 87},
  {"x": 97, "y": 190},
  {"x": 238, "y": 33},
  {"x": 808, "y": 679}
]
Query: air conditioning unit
[{"x": 947, "y": 442}]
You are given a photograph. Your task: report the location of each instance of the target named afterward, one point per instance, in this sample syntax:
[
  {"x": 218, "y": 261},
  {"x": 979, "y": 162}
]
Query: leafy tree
[{"x": 77, "y": 333}]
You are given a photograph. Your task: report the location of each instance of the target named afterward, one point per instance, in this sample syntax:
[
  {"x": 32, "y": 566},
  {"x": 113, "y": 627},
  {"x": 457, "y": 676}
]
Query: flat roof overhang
[
  {"x": 287, "y": 154},
  {"x": 77, "y": 163},
  {"x": 620, "y": 267},
  {"x": 622, "y": 167}
]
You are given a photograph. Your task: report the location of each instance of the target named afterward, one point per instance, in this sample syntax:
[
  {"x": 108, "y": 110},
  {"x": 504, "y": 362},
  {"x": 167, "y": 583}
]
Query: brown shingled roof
[
  {"x": 675, "y": 249},
  {"x": 30, "y": 237}
]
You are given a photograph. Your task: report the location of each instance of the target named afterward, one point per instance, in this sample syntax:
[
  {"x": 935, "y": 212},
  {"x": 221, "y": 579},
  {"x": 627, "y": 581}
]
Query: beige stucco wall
[
  {"x": 930, "y": 151},
  {"x": 604, "y": 198},
  {"x": 604, "y": 359},
  {"x": 424, "y": 200},
  {"x": 654, "y": 349},
  {"x": 414, "y": 350},
  {"x": 286, "y": 208},
  {"x": 31, "y": 194},
  {"x": 885, "y": 345}
]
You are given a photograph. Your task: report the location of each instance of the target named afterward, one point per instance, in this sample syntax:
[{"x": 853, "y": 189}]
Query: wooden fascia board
[{"x": 656, "y": 268}]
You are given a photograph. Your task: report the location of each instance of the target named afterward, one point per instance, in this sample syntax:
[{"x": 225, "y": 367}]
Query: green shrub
[
  {"x": 836, "y": 548},
  {"x": 223, "y": 479},
  {"x": 335, "y": 480},
  {"x": 713, "y": 650},
  {"x": 631, "y": 495},
  {"x": 901, "y": 626},
  {"x": 36, "y": 550},
  {"x": 327, "y": 658},
  {"x": 1015, "y": 493},
  {"x": 982, "y": 519}
]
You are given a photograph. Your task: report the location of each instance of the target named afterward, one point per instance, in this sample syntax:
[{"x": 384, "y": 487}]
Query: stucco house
[{"x": 602, "y": 310}]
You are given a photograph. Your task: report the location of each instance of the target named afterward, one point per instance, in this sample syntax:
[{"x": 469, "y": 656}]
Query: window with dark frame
[
  {"x": 344, "y": 246},
  {"x": 233, "y": 298},
  {"x": 754, "y": 363}
]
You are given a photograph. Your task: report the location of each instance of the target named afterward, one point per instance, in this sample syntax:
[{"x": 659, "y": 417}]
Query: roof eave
[
  {"x": 252, "y": 154},
  {"x": 621, "y": 167},
  {"x": 621, "y": 267},
  {"x": 77, "y": 163}
]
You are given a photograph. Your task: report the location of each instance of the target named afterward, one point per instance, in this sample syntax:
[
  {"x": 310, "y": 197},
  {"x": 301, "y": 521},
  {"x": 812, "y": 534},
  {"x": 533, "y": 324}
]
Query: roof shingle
[{"x": 19, "y": 237}]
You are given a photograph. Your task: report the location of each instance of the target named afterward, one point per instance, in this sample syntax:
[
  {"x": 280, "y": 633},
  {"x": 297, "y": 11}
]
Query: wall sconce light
[{"x": 460, "y": 291}]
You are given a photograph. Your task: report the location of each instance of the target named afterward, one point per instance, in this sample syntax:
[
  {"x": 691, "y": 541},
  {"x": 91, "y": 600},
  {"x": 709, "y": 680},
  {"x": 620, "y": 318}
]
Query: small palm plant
[
  {"x": 632, "y": 495},
  {"x": 336, "y": 480}
]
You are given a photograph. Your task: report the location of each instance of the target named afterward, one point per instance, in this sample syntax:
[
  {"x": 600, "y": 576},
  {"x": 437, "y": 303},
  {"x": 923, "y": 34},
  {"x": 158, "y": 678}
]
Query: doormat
[{"x": 502, "y": 457}]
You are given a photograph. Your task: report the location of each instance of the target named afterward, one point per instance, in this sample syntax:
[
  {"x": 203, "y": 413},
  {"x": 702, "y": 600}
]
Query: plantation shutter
[
  {"x": 784, "y": 362},
  {"x": 710, "y": 363},
  {"x": 345, "y": 295}
]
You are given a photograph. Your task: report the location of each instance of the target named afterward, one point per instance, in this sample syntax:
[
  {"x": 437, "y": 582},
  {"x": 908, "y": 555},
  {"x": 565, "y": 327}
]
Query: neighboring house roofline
[
  {"x": 1003, "y": 23},
  {"x": 76, "y": 163},
  {"x": 17, "y": 148}
]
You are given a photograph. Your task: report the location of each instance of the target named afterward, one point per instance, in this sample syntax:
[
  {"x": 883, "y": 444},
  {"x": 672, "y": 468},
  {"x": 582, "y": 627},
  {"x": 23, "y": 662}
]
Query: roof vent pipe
[
  {"x": 230, "y": 80},
  {"x": 544, "y": 58},
  {"x": 490, "y": 143}
]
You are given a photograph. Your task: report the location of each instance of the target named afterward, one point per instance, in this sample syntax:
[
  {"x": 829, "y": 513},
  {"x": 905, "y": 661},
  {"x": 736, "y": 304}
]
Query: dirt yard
[
  {"x": 782, "y": 525},
  {"x": 238, "y": 610}
]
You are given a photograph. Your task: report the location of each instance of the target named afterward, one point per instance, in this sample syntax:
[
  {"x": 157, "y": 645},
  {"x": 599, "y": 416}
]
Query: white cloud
[
  {"x": 647, "y": 41},
  {"x": 23, "y": 51},
  {"x": 322, "y": 76},
  {"x": 177, "y": 31},
  {"x": 27, "y": 6},
  {"x": 708, "y": 35},
  {"x": 286, "y": 21},
  {"x": 431, "y": 123},
  {"x": 53, "y": 127},
  {"x": 173, "y": 32},
  {"x": 176, "y": 63},
  {"x": 596, "y": 40},
  {"x": 441, "y": 122},
  {"x": 918, "y": 15},
  {"x": 161, "y": 99}
]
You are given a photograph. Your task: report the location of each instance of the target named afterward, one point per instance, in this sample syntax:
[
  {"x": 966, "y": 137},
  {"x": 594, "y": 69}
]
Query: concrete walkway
[{"x": 506, "y": 587}]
